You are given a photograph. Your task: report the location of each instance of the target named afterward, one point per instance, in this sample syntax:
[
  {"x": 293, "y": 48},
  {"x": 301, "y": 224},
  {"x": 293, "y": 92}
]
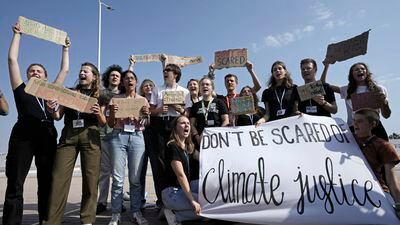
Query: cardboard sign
[
  {"x": 146, "y": 58},
  {"x": 178, "y": 60},
  {"x": 310, "y": 90},
  {"x": 42, "y": 31},
  {"x": 364, "y": 100},
  {"x": 64, "y": 96},
  {"x": 348, "y": 49},
  {"x": 230, "y": 58},
  {"x": 173, "y": 98},
  {"x": 297, "y": 170},
  {"x": 242, "y": 105},
  {"x": 183, "y": 60},
  {"x": 128, "y": 107}
]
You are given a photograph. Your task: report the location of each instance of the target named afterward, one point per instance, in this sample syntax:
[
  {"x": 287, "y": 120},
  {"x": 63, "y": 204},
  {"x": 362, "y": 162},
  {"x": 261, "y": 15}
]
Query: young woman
[
  {"x": 360, "y": 81},
  {"x": 280, "y": 98},
  {"x": 209, "y": 112},
  {"x": 250, "y": 119},
  {"x": 127, "y": 143},
  {"x": 180, "y": 194},
  {"x": 145, "y": 90},
  {"x": 34, "y": 135},
  {"x": 193, "y": 87},
  {"x": 79, "y": 135},
  {"x": 111, "y": 82}
]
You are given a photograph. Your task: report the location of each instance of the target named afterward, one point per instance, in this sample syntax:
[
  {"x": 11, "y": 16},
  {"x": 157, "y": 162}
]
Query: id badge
[
  {"x": 311, "y": 109},
  {"x": 210, "y": 122},
  {"x": 78, "y": 123},
  {"x": 281, "y": 112},
  {"x": 129, "y": 128}
]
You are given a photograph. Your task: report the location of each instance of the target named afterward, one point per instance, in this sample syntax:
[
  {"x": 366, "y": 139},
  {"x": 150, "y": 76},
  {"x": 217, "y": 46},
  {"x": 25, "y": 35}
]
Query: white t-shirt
[
  {"x": 157, "y": 98},
  {"x": 349, "y": 105}
]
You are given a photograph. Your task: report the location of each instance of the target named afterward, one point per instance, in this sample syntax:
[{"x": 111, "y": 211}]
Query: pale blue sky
[{"x": 271, "y": 30}]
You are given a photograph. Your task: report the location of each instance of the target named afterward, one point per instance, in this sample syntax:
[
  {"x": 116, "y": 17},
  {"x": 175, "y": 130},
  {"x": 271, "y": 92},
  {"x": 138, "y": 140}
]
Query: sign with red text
[
  {"x": 298, "y": 170},
  {"x": 42, "y": 31},
  {"x": 230, "y": 58},
  {"x": 348, "y": 49},
  {"x": 65, "y": 97}
]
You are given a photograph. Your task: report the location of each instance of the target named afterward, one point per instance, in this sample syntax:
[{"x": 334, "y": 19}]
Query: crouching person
[
  {"x": 180, "y": 195},
  {"x": 380, "y": 154}
]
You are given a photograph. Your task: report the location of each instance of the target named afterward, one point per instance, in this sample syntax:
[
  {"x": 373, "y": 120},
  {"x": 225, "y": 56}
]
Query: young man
[
  {"x": 162, "y": 115},
  {"x": 320, "y": 105},
  {"x": 380, "y": 154}
]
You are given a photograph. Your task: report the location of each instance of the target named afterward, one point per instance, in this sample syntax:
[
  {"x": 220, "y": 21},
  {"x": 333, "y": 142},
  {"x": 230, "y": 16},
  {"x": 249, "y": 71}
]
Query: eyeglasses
[{"x": 167, "y": 70}]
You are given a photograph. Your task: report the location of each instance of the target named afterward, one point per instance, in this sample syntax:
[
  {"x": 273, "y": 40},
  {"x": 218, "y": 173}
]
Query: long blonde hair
[{"x": 174, "y": 137}]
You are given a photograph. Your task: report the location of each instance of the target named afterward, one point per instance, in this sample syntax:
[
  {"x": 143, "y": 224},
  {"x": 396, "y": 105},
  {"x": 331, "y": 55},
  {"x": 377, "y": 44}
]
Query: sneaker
[
  {"x": 170, "y": 217},
  {"x": 115, "y": 219},
  {"x": 139, "y": 219},
  {"x": 126, "y": 196},
  {"x": 101, "y": 208}
]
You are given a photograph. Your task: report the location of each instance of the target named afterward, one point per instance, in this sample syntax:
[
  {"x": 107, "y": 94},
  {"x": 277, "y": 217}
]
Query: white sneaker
[
  {"x": 139, "y": 219},
  {"x": 126, "y": 196},
  {"x": 115, "y": 219},
  {"x": 170, "y": 216}
]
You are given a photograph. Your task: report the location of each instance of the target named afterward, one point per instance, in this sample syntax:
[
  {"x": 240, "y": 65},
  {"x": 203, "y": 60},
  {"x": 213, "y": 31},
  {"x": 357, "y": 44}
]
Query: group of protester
[{"x": 168, "y": 136}]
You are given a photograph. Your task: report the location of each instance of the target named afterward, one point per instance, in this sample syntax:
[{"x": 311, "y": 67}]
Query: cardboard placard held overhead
[
  {"x": 230, "y": 58},
  {"x": 146, "y": 58},
  {"x": 310, "y": 90},
  {"x": 173, "y": 98},
  {"x": 242, "y": 105},
  {"x": 364, "y": 100},
  {"x": 348, "y": 49},
  {"x": 42, "y": 31},
  {"x": 64, "y": 96},
  {"x": 128, "y": 107},
  {"x": 178, "y": 60}
]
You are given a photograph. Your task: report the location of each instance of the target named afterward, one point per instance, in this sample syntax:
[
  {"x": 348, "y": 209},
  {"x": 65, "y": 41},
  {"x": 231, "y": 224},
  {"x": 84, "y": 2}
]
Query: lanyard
[
  {"x": 280, "y": 100},
  {"x": 42, "y": 107},
  {"x": 204, "y": 108},
  {"x": 251, "y": 116},
  {"x": 311, "y": 103}
]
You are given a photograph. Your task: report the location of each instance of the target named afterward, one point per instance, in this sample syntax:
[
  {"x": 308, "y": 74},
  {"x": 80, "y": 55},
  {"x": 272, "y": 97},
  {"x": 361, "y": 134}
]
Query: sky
[{"x": 271, "y": 30}]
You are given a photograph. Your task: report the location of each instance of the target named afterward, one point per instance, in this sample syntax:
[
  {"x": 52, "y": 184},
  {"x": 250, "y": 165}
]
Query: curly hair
[
  {"x": 352, "y": 87},
  {"x": 106, "y": 75},
  {"x": 287, "y": 81}
]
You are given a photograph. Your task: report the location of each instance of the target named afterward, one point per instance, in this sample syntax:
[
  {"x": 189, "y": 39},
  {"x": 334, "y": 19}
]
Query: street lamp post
[{"x": 99, "y": 34}]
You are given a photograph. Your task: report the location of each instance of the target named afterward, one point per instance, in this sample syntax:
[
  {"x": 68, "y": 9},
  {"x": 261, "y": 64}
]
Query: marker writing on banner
[
  {"x": 220, "y": 140},
  {"x": 243, "y": 188},
  {"x": 324, "y": 187}
]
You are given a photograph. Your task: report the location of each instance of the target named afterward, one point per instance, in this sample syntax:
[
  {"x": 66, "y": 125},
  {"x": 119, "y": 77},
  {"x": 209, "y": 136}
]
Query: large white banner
[{"x": 298, "y": 170}]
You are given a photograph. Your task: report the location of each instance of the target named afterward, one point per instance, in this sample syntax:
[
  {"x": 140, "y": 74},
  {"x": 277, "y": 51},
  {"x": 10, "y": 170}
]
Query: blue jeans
[
  {"x": 174, "y": 198},
  {"x": 126, "y": 146}
]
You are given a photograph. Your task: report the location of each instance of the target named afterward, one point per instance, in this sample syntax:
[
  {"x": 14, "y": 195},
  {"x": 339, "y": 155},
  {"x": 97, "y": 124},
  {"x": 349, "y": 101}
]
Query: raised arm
[
  {"x": 64, "y": 63},
  {"x": 324, "y": 74},
  {"x": 13, "y": 66},
  {"x": 132, "y": 62},
  {"x": 163, "y": 59},
  {"x": 256, "y": 82}
]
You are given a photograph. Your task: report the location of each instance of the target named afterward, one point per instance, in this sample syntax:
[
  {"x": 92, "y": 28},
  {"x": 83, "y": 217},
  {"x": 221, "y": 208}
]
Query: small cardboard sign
[
  {"x": 64, "y": 96},
  {"x": 173, "y": 98},
  {"x": 364, "y": 100},
  {"x": 242, "y": 105},
  {"x": 42, "y": 31},
  {"x": 230, "y": 58},
  {"x": 146, "y": 58},
  {"x": 128, "y": 107},
  {"x": 310, "y": 90},
  {"x": 348, "y": 49}
]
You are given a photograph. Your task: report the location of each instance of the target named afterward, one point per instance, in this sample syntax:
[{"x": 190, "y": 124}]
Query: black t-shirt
[
  {"x": 215, "y": 112},
  {"x": 329, "y": 97},
  {"x": 33, "y": 123},
  {"x": 245, "y": 119},
  {"x": 174, "y": 152},
  {"x": 105, "y": 96},
  {"x": 273, "y": 96},
  {"x": 71, "y": 114}
]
